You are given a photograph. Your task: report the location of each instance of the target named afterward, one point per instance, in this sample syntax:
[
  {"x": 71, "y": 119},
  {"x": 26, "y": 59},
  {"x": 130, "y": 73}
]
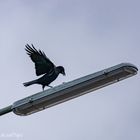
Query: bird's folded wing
[{"x": 42, "y": 62}]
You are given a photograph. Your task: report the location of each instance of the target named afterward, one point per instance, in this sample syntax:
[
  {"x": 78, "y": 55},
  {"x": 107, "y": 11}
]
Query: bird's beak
[{"x": 64, "y": 73}]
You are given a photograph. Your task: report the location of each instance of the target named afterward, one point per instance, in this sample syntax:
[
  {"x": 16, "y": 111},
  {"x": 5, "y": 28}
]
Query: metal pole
[{"x": 6, "y": 110}]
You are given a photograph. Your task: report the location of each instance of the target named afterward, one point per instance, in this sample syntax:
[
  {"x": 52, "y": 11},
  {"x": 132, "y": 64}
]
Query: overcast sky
[{"x": 84, "y": 36}]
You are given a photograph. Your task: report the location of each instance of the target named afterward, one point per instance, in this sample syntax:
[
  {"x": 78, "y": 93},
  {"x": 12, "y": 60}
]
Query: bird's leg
[
  {"x": 47, "y": 86},
  {"x": 50, "y": 86},
  {"x": 43, "y": 87}
]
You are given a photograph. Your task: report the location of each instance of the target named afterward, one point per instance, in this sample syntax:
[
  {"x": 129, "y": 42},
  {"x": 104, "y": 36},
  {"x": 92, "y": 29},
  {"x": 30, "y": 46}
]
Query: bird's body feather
[{"x": 43, "y": 65}]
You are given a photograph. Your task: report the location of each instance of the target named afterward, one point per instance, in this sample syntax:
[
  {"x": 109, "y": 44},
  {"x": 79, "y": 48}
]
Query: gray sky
[{"x": 84, "y": 36}]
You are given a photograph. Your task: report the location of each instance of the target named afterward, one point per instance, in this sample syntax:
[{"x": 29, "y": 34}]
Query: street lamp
[{"x": 70, "y": 90}]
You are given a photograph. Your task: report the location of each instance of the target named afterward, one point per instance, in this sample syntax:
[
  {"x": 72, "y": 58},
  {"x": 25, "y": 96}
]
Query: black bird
[{"x": 43, "y": 65}]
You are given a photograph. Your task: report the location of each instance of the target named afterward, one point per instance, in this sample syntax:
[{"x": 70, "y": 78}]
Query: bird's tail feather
[{"x": 30, "y": 83}]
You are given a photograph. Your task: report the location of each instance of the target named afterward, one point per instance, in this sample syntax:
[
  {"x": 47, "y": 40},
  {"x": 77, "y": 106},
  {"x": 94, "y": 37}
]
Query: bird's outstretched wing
[{"x": 42, "y": 62}]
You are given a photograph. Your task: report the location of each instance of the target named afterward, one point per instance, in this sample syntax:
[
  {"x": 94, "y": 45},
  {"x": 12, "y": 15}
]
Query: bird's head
[{"x": 61, "y": 70}]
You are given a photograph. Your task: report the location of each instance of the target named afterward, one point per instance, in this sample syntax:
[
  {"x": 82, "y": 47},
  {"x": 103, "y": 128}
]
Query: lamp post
[{"x": 70, "y": 90}]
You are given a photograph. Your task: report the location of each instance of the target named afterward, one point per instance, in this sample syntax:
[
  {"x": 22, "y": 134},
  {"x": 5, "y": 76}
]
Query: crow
[{"x": 43, "y": 65}]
